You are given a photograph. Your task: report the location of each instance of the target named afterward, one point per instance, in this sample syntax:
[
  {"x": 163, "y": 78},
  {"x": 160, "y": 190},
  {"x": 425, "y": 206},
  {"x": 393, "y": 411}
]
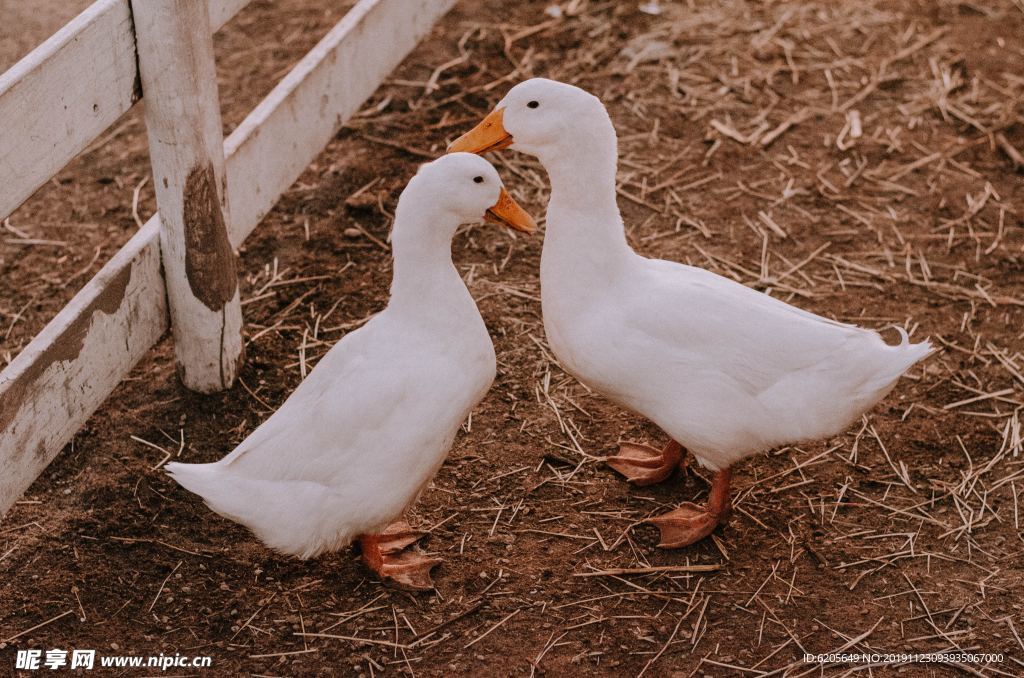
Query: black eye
[
  {"x": 533, "y": 104},
  {"x": 478, "y": 180}
]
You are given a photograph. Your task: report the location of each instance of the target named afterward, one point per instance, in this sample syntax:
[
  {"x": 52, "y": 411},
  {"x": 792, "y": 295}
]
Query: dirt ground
[{"x": 853, "y": 158}]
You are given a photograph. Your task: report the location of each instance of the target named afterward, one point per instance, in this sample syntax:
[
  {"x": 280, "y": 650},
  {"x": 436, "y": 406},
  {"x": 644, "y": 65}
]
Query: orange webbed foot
[
  {"x": 388, "y": 555},
  {"x": 690, "y": 523},
  {"x": 644, "y": 465},
  {"x": 409, "y": 570},
  {"x": 683, "y": 526}
]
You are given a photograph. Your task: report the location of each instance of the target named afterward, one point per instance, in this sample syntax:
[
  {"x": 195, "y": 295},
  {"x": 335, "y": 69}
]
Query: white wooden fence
[{"x": 211, "y": 193}]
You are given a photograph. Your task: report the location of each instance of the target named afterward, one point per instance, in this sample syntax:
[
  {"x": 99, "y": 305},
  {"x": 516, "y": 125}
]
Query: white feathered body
[
  {"x": 725, "y": 370},
  {"x": 361, "y": 436}
]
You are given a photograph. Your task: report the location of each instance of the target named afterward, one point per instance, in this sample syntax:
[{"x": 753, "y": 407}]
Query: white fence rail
[
  {"x": 60, "y": 98},
  {"x": 68, "y": 91}
]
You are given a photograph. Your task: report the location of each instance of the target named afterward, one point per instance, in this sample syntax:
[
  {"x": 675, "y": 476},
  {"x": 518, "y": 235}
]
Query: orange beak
[
  {"x": 489, "y": 135},
  {"x": 507, "y": 212}
]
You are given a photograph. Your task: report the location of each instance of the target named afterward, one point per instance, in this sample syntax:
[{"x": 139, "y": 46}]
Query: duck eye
[
  {"x": 533, "y": 104},
  {"x": 478, "y": 180}
]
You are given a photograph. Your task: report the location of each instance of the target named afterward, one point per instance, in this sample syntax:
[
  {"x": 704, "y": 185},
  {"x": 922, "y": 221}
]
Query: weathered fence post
[{"x": 186, "y": 146}]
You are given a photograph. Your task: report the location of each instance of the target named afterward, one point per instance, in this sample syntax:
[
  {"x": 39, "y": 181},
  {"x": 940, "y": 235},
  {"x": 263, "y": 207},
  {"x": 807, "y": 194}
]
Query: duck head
[
  {"x": 543, "y": 118},
  {"x": 460, "y": 188}
]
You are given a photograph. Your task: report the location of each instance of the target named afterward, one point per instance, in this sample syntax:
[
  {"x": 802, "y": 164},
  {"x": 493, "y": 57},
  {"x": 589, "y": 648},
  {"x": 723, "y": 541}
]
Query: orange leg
[
  {"x": 644, "y": 465},
  {"x": 690, "y": 523},
  {"x": 386, "y": 554}
]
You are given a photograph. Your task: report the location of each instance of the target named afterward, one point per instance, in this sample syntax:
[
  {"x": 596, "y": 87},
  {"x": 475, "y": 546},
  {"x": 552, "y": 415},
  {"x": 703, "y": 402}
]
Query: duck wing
[
  {"x": 353, "y": 405},
  {"x": 747, "y": 336}
]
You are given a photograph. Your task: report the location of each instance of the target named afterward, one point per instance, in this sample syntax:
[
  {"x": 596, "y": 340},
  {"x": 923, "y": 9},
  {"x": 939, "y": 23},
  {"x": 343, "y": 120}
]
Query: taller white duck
[
  {"x": 724, "y": 370},
  {"x": 363, "y": 434}
]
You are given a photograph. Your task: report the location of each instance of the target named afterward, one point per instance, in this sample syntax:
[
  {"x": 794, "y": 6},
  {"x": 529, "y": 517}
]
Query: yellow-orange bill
[
  {"x": 489, "y": 135},
  {"x": 507, "y": 212}
]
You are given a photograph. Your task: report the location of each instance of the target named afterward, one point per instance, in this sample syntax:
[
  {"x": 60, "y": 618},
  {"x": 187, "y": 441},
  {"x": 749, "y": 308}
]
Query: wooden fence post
[{"x": 186, "y": 146}]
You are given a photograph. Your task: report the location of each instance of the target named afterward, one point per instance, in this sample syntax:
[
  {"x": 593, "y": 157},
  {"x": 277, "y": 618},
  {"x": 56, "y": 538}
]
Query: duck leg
[
  {"x": 644, "y": 465},
  {"x": 690, "y": 523},
  {"x": 387, "y": 555}
]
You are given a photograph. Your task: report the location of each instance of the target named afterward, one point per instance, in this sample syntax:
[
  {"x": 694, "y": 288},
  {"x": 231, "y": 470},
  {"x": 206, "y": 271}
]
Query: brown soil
[
  {"x": 902, "y": 534},
  {"x": 23, "y": 25}
]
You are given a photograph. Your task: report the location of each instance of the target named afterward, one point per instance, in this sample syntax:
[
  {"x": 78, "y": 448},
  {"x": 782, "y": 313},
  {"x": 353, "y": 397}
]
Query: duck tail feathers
[
  {"x": 912, "y": 353},
  {"x": 196, "y": 478},
  {"x": 207, "y": 481},
  {"x": 283, "y": 518},
  {"x": 896, "y": 361}
]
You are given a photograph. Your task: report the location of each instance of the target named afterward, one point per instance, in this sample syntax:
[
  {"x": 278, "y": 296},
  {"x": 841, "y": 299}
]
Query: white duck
[
  {"x": 724, "y": 370},
  {"x": 364, "y": 433}
]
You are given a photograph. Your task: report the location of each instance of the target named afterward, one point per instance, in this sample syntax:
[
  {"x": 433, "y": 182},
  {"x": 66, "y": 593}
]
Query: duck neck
[
  {"x": 424, "y": 275},
  {"x": 583, "y": 214}
]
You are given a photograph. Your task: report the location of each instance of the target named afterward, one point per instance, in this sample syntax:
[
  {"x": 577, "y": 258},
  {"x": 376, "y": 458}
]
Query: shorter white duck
[
  {"x": 725, "y": 370},
  {"x": 364, "y": 433}
]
